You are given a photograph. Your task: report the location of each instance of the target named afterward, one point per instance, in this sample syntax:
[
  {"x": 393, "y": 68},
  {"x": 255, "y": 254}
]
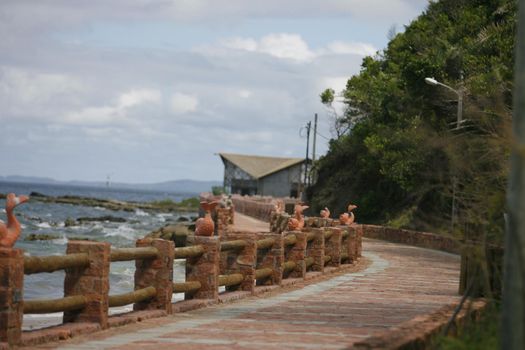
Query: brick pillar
[
  {"x": 348, "y": 244},
  {"x": 359, "y": 240},
  {"x": 332, "y": 246},
  {"x": 204, "y": 269},
  {"x": 91, "y": 282},
  {"x": 315, "y": 249},
  {"x": 157, "y": 273},
  {"x": 357, "y": 232},
  {"x": 232, "y": 215},
  {"x": 297, "y": 254},
  {"x": 242, "y": 261},
  {"x": 223, "y": 220},
  {"x": 11, "y": 295},
  {"x": 271, "y": 258}
]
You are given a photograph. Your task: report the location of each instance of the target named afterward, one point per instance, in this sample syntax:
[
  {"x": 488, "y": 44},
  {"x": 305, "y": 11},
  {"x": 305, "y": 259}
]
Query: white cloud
[
  {"x": 118, "y": 113},
  {"x": 137, "y": 97},
  {"x": 351, "y": 48},
  {"x": 35, "y": 94},
  {"x": 182, "y": 103},
  {"x": 245, "y": 93},
  {"x": 291, "y": 47},
  {"x": 287, "y": 46},
  {"x": 238, "y": 43}
]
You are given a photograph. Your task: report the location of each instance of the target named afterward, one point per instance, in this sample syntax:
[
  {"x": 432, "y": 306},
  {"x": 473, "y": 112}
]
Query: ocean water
[{"x": 44, "y": 218}]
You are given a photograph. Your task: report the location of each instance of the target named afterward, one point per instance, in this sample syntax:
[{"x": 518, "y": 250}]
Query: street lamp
[{"x": 434, "y": 82}]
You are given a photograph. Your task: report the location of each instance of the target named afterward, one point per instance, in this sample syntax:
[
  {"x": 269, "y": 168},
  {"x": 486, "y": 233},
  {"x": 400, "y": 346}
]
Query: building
[{"x": 265, "y": 176}]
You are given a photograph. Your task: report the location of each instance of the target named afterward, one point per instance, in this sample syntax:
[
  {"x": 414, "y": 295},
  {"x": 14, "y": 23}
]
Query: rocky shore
[{"x": 190, "y": 204}]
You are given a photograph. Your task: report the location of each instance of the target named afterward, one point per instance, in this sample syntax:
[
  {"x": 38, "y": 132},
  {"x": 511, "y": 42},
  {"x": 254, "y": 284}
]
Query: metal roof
[{"x": 259, "y": 166}]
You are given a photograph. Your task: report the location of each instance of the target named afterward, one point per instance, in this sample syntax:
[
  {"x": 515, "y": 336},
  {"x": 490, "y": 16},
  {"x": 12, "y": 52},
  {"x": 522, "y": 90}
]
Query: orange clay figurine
[
  {"x": 325, "y": 213},
  {"x": 205, "y": 226},
  {"x": 9, "y": 233},
  {"x": 297, "y": 222},
  {"x": 348, "y": 218}
]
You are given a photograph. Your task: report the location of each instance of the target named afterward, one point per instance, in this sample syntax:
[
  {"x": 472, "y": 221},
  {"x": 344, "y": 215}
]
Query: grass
[
  {"x": 188, "y": 203},
  {"x": 481, "y": 335}
]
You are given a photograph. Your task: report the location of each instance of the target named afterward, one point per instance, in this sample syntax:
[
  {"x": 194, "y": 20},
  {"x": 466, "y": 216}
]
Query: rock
[
  {"x": 41, "y": 237},
  {"x": 176, "y": 233},
  {"x": 105, "y": 218},
  {"x": 182, "y": 219},
  {"x": 37, "y": 194},
  {"x": 70, "y": 222}
]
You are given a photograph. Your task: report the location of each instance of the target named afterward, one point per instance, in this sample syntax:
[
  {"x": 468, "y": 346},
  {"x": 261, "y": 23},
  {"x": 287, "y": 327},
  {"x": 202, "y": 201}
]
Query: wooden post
[
  {"x": 242, "y": 261},
  {"x": 91, "y": 282},
  {"x": 204, "y": 269},
  {"x": 11, "y": 295},
  {"x": 315, "y": 249},
  {"x": 272, "y": 258},
  {"x": 157, "y": 273},
  {"x": 333, "y": 246},
  {"x": 297, "y": 254}
]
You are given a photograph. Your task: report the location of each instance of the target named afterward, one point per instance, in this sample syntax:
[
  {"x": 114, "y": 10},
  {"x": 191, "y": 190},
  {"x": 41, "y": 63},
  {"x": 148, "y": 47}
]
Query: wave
[
  {"x": 60, "y": 241},
  {"x": 124, "y": 230},
  {"x": 43, "y": 225},
  {"x": 139, "y": 212}
]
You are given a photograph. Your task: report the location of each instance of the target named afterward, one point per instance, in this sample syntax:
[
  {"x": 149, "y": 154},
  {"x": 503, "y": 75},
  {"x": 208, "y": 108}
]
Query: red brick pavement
[{"x": 400, "y": 283}]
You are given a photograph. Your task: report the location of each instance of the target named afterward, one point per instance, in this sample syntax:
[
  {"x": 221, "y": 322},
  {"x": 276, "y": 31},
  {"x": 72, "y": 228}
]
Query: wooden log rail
[{"x": 236, "y": 261}]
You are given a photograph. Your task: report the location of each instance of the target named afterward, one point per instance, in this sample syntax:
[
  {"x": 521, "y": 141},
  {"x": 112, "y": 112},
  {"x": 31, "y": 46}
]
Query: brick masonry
[
  {"x": 332, "y": 314},
  {"x": 92, "y": 282},
  {"x": 11, "y": 294}
]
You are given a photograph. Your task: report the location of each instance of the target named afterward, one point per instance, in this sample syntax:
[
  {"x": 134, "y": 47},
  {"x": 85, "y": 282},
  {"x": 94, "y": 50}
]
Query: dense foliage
[{"x": 398, "y": 154}]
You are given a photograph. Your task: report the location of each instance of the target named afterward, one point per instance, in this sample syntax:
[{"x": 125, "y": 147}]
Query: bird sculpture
[
  {"x": 325, "y": 213},
  {"x": 348, "y": 218},
  {"x": 9, "y": 233},
  {"x": 278, "y": 207},
  {"x": 205, "y": 226},
  {"x": 297, "y": 222}
]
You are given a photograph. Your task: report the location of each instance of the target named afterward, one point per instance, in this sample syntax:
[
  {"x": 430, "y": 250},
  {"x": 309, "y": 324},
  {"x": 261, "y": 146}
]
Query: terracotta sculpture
[
  {"x": 325, "y": 213},
  {"x": 297, "y": 222},
  {"x": 348, "y": 218},
  {"x": 279, "y": 206},
  {"x": 205, "y": 226},
  {"x": 9, "y": 233}
]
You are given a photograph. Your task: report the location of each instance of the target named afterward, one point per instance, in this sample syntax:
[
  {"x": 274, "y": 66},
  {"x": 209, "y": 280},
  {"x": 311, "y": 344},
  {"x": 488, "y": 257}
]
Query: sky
[{"x": 151, "y": 90}]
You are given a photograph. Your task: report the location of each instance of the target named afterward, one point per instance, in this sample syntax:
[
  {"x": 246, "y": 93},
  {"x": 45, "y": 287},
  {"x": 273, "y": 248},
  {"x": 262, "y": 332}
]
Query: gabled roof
[{"x": 258, "y": 166}]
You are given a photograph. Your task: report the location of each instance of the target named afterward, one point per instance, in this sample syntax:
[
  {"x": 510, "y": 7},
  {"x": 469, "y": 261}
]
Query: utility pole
[
  {"x": 315, "y": 138},
  {"x": 513, "y": 311},
  {"x": 313, "y": 149},
  {"x": 308, "y": 126}
]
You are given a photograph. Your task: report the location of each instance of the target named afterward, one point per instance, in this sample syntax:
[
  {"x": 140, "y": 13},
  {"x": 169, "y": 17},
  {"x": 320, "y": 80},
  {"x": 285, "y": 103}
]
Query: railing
[{"x": 237, "y": 261}]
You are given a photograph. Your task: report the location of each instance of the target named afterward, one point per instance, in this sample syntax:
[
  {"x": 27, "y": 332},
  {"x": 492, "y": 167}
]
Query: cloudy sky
[{"x": 150, "y": 90}]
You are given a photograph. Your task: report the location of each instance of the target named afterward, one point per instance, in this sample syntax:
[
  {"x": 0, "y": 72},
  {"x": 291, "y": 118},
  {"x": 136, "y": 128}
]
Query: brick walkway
[
  {"x": 400, "y": 283},
  {"x": 244, "y": 223}
]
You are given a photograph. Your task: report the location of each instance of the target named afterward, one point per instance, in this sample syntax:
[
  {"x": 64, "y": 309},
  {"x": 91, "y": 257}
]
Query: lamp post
[{"x": 434, "y": 82}]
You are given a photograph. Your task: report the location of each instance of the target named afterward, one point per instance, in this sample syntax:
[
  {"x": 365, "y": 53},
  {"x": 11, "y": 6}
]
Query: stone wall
[
  {"x": 259, "y": 209},
  {"x": 415, "y": 238}
]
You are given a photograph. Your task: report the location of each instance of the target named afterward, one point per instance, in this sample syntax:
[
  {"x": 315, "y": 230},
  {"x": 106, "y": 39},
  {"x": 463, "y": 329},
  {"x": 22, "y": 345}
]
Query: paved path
[
  {"x": 244, "y": 223},
  {"x": 399, "y": 283}
]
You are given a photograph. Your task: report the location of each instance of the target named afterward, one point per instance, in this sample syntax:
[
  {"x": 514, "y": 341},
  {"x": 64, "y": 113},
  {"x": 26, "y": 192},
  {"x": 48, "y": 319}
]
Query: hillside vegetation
[{"x": 396, "y": 155}]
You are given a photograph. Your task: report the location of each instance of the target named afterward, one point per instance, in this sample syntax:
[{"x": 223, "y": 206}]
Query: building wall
[
  {"x": 237, "y": 181},
  {"x": 281, "y": 183}
]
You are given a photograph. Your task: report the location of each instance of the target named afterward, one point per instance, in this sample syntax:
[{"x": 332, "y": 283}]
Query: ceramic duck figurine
[
  {"x": 348, "y": 218},
  {"x": 297, "y": 222},
  {"x": 9, "y": 233},
  {"x": 325, "y": 213},
  {"x": 278, "y": 207},
  {"x": 205, "y": 226}
]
